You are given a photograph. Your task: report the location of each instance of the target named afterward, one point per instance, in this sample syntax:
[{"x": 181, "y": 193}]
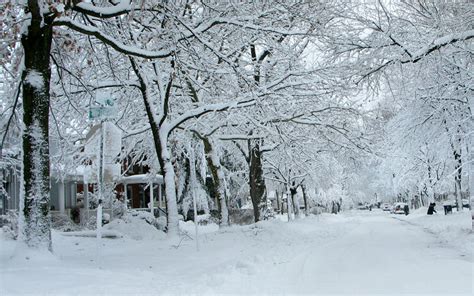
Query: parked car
[
  {"x": 398, "y": 208},
  {"x": 465, "y": 204},
  {"x": 386, "y": 207},
  {"x": 363, "y": 206},
  {"x": 454, "y": 203}
]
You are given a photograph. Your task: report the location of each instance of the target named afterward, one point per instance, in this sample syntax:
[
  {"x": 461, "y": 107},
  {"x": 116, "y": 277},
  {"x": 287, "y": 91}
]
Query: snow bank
[
  {"x": 188, "y": 228},
  {"x": 17, "y": 253},
  {"x": 93, "y": 233},
  {"x": 454, "y": 229},
  {"x": 135, "y": 227},
  {"x": 6, "y": 234}
]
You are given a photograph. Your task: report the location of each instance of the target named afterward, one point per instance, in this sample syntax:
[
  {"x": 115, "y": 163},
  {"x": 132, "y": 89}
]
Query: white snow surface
[
  {"x": 354, "y": 253},
  {"x": 454, "y": 229}
]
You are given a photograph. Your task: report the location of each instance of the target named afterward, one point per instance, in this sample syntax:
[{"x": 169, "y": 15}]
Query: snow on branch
[
  {"x": 115, "y": 44},
  {"x": 423, "y": 52},
  {"x": 197, "y": 112},
  {"x": 258, "y": 28},
  {"x": 130, "y": 133},
  {"x": 234, "y": 137},
  {"x": 104, "y": 12},
  {"x": 356, "y": 142},
  {"x": 268, "y": 148},
  {"x": 440, "y": 42}
]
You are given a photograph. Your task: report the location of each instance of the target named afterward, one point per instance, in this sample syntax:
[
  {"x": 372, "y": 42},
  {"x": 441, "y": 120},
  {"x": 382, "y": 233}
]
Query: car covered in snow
[
  {"x": 386, "y": 207},
  {"x": 454, "y": 203},
  {"x": 363, "y": 206},
  {"x": 398, "y": 208}
]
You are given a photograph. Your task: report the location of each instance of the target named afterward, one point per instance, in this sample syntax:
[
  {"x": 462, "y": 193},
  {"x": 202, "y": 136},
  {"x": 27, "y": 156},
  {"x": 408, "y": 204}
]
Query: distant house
[
  {"x": 9, "y": 182},
  {"x": 65, "y": 190},
  {"x": 10, "y": 189},
  {"x": 68, "y": 185}
]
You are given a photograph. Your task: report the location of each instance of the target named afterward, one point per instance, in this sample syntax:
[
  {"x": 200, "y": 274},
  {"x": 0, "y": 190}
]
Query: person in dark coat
[
  {"x": 406, "y": 209},
  {"x": 431, "y": 209},
  {"x": 448, "y": 208}
]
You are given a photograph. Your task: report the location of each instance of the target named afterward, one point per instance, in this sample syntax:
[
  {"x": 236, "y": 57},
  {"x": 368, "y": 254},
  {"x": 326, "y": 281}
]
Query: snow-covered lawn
[{"x": 353, "y": 253}]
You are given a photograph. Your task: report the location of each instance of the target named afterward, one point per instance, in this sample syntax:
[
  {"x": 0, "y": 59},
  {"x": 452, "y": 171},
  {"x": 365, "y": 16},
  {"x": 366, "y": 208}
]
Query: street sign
[
  {"x": 102, "y": 112},
  {"x": 103, "y": 106}
]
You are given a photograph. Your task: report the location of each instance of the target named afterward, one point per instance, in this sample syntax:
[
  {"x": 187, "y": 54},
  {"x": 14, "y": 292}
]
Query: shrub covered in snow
[
  {"x": 159, "y": 223},
  {"x": 267, "y": 212},
  {"x": 63, "y": 222},
  {"x": 9, "y": 224},
  {"x": 317, "y": 210},
  {"x": 139, "y": 225},
  {"x": 119, "y": 208},
  {"x": 241, "y": 216}
]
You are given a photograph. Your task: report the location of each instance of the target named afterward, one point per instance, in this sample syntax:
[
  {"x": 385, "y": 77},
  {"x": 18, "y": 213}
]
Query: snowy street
[
  {"x": 353, "y": 253},
  {"x": 236, "y": 147}
]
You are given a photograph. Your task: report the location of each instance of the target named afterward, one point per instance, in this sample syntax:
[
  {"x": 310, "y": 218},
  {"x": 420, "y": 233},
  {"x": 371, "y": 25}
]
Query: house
[
  {"x": 9, "y": 190},
  {"x": 65, "y": 191},
  {"x": 79, "y": 184}
]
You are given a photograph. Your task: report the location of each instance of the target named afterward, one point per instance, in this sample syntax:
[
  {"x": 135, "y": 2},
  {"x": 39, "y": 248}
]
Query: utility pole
[{"x": 193, "y": 190}]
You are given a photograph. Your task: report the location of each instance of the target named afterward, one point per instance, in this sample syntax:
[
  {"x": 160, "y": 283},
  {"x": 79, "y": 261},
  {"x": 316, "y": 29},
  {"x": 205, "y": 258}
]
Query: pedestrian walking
[
  {"x": 406, "y": 209},
  {"x": 431, "y": 208}
]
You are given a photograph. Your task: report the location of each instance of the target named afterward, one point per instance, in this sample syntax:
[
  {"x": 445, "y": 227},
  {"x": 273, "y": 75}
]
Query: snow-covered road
[
  {"x": 374, "y": 254},
  {"x": 379, "y": 255},
  {"x": 354, "y": 253}
]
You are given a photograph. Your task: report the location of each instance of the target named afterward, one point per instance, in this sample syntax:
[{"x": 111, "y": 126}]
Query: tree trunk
[
  {"x": 160, "y": 134},
  {"x": 256, "y": 181},
  {"x": 293, "y": 191},
  {"x": 278, "y": 201},
  {"x": 184, "y": 174},
  {"x": 431, "y": 189},
  {"x": 305, "y": 199},
  {"x": 457, "y": 178},
  {"x": 470, "y": 153},
  {"x": 36, "y": 76},
  {"x": 288, "y": 202},
  {"x": 457, "y": 164},
  {"x": 218, "y": 178},
  {"x": 170, "y": 186}
]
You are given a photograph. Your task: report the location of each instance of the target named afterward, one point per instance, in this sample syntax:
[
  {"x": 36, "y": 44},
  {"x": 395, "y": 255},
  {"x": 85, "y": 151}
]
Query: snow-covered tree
[
  {"x": 421, "y": 55},
  {"x": 39, "y": 20}
]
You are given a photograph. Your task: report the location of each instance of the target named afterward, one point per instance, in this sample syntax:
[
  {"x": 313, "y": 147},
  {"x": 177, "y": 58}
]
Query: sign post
[{"x": 102, "y": 112}]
